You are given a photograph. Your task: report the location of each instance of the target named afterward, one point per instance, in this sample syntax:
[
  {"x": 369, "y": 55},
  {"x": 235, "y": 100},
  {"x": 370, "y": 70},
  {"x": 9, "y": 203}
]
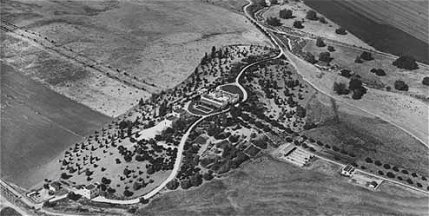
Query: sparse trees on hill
[
  {"x": 401, "y": 85},
  {"x": 286, "y": 14},
  {"x": 298, "y": 24},
  {"x": 406, "y": 62}
]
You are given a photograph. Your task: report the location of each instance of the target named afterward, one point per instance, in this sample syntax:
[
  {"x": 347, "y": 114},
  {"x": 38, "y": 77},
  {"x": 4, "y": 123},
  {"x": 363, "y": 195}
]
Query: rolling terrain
[{"x": 269, "y": 187}]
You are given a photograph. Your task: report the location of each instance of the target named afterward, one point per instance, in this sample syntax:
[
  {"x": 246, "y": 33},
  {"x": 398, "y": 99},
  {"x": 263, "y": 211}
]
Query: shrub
[
  {"x": 310, "y": 58},
  {"x": 331, "y": 49},
  {"x": 73, "y": 196},
  {"x": 298, "y": 24},
  {"x": 341, "y": 88},
  {"x": 406, "y": 62},
  {"x": 367, "y": 56},
  {"x": 320, "y": 42},
  {"x": 380, "y": 172},
  {"x": 368, "y": 160},
  {"x": 425, "y": 81},
  {"x": 346, "y": 73},
  {"x": 405, "y": 172},
  {"x": 274, "y": 21},
  {"x": 419, "y": 185},
  {"x": 311, "y": 15},
  {"x": 386, "y": 166},
  {"x": 286, "y": 14},
  {"x": 378, "y": 163},
  {"x": 400, "y": 85},
  {"x": 322, "y": 20},
  {"x": 341, "y": 31},
  {"x": 325, "y": 57}
]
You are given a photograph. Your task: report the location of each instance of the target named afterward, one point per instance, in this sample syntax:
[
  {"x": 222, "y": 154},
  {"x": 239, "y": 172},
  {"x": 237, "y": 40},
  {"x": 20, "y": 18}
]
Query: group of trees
[
  {"x": 395, "y": 171},
  {"x": 355, "y": 86},
  {"x": 286, "y": 14},
  {"x": 274, "y": 21},
  {"x": 401, "y": 85},
  {"x": 406, "y": 62},
  {"x": 378, "y": 72},
  {"x": 298, "y": 24}
]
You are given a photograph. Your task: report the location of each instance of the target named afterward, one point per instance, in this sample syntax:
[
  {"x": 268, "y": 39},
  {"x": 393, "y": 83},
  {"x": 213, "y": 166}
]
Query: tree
[
  {"x": 378, "y": 72},
  {"x": 298, "y": 24},
  {"x": 128, "y": 193},
  {"x": 367, "y": 56},
  {"x": 322, "y": 20},
  {"x": 331, "y": 49},
  {"x": 73, "y": 196},
  {"x": 320, "y": 42},
  {"x": 358, "y": 93},
  {"x": 310, "y": 58},
  {"x": 341, "y": 31},
  {"x": 341, "y": 88},
  {"x": 401, "y": 85},
  {"x": 286, "y": 14},
  {"x": 173, "y": 184},
  {"x": 425, "y": 81},
  {"x": 274, "y": 21},
  {"x": 368, "y": 160},
  {"x": 406, "y": 62},
  {"x": 300, "y": 111},
  {"x": 325, "y": 57},
  {"x": 311, "y": 15}
]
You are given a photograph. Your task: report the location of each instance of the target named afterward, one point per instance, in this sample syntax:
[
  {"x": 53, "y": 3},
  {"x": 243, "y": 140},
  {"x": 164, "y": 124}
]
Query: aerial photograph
[{"x": 214, "y": 107}]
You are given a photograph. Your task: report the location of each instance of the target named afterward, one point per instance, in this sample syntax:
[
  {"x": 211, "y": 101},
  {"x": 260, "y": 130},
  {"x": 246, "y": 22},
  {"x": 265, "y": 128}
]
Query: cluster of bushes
[
  {"x": 298, "y": 24},
  {"x": 286, "y": 14},
  {"x": 395, "y": 169},
  {"x": 355, "y": 86}
]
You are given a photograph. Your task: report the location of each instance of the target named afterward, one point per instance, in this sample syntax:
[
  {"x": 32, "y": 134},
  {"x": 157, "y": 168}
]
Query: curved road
[{"x": 292, "y": 59}]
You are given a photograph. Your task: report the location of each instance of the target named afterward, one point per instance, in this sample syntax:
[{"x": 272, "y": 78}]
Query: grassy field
[
  {"x": 268, "y": 187},
  {"x": 353, "y": 131},
  {"x": 345, "y": 56},
  {"x": 85, "y": 86},
  {"x": 158, "y": 41},
  {"x": 313, "y": 27},
  {"x": 37, "y": 124}
]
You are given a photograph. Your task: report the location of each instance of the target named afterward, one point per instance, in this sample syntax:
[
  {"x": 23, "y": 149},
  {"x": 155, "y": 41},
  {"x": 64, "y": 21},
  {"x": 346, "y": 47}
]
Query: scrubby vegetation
[{"x": 286, "y": 14}]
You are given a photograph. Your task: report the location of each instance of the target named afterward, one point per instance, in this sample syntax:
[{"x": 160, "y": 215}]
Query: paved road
[{"x": 173, "y": 174}]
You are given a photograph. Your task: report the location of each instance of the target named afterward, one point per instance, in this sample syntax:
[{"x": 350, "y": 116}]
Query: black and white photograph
[{"x": 214, "y": 107}]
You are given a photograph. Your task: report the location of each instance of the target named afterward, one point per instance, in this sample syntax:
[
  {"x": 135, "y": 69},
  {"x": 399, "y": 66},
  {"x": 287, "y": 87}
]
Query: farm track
[
  {"x": 291, "y": 57},
  {"x": 77, "y": 58}
]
